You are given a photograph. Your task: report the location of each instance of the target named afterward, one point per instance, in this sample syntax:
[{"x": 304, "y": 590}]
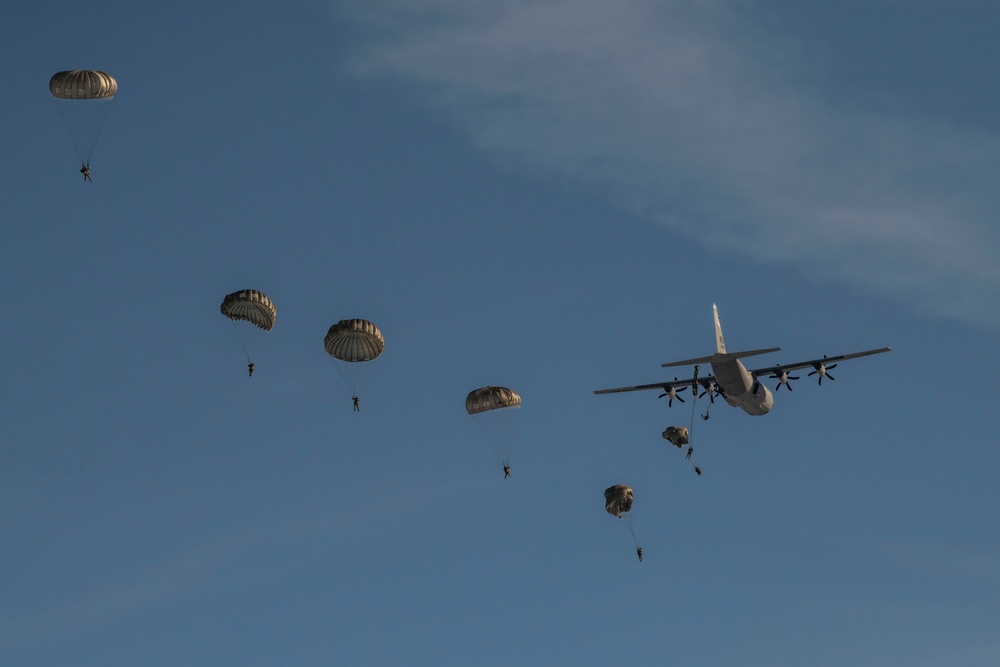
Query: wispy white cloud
[{"x": 688, "y": 114}]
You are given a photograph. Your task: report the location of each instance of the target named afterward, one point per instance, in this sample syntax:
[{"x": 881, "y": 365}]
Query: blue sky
[{"x": 543, "y": 195}]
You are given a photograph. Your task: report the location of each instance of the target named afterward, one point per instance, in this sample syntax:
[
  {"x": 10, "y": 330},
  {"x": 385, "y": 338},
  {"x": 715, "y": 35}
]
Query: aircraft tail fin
[
  {"x": 720, "y": 347},
  {"x": 720, "y": 344}
]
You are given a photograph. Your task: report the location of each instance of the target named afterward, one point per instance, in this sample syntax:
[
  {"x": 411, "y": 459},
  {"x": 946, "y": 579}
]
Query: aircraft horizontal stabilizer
[
  {"x": 692, "y": 362},
  {"x": 720, "y": 357}
]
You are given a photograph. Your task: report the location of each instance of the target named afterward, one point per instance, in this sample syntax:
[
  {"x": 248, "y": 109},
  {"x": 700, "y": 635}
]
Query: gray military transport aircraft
[{"x": 731, "y": 380}]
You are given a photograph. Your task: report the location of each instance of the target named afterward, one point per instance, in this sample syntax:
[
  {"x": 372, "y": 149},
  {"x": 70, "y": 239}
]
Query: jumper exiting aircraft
[{"x": 731, "y": 380}]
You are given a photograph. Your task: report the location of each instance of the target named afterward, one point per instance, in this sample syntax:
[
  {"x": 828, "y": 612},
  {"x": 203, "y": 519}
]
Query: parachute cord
[
  {"x": 504, "y": 460},
  {"x": 355, "y": 379},
  {"x": 354, "y": 392},
  {"x": 501, "y": 444},
  {"x": 242, "y": 344},
  {"x": 694, "y": 404},
  {"x": 630, "y": 527}
]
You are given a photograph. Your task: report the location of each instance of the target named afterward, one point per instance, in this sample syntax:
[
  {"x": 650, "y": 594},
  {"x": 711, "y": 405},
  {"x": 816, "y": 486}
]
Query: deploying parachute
[
  {"x": 84, "y": 97},
  {"x": 677, "y": 435},
  {"x": 494, "y": 411},
  {"x": 249, "y": 306},
  {"x": 354, "y": 341},
  {"x": 618, "y": 499}
]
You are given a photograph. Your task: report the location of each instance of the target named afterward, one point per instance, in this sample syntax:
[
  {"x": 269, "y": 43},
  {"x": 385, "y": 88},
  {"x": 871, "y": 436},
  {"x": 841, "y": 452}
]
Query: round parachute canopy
[
  {"x": 491, "y": 398},
  {"x": 618, "y": 499},
  {"x": 83, "y": 97},
  {"x": 354, "y": 340},
  {"x": 82, "y": 84},
  {"x": 492, "y": 410},
  {"x": 251, "y": 306}
]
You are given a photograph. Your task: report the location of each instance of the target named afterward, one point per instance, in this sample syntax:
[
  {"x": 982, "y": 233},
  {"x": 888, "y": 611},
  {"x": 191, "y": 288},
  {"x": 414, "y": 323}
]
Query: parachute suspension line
[
  {"x": 694, "y": 398},
  {"x": 691, "y": 427},
  {"x": 243, "y": 344},
  {"x": 84, "y": 124},
  {"x": 355, "y": 374},
  {"x": 691, "y": 438},
  {"x": 495, "y": 441},
  {"x": 505, "y": 459},
  {"x": 501, "y": 459},
  {"x": 100, "y": 126},
  {"x": 694, "y": 404},
  {"x": 343, "y": 376},
  {"x": 630, "y": 527},
  {"x": 363, "y": 378}
]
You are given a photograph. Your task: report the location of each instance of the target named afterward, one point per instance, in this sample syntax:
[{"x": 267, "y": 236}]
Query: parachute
[
  {"x": 83, "y": 97},
  {"x": 491, "y": 398},
  {"x": 494, "y": 411},
  {"x": 678, "y": 435},
  {"x": 82, "y": 84},
  {"x": 618, "y": 499},
  {"x": 354, "y": 341},
  {"x": 251, "y": 306}
]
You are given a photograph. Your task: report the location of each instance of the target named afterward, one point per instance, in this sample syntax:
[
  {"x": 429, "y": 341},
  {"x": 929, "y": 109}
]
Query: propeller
[
  {"x": 822, "y": 371},
  {"x": 711, "y": 389},
  {"x": 671, "y": 392},
  {"x": 783, "y": 379}
]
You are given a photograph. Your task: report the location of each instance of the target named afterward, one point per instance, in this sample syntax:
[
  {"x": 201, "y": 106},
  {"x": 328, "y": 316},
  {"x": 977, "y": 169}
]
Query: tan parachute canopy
[
  {"x": 82, "y": 84},
  {"x": 678, "y": 435},
  {"x": 354, "y": 340},
  {"x": 491, "y": 398},
  {"x": 618, "y": 499},
  {"x": 252, "y": 306}
]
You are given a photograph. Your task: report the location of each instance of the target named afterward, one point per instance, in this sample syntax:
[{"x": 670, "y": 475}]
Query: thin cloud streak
[{"x": 679, "y": 111}]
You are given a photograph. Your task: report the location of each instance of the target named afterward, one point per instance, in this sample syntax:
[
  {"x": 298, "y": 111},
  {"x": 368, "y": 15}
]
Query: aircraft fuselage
[{"x": 740, "y": 389}]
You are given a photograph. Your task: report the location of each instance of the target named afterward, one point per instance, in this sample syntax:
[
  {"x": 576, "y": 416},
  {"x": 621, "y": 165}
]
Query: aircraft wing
[
  {"x": 816, "y": 363},
  {"x": 703, "y": 381}
]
